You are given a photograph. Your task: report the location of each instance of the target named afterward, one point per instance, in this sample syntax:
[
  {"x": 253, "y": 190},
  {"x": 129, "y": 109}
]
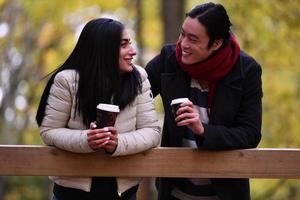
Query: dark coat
[{"x": 235, "y": 120}]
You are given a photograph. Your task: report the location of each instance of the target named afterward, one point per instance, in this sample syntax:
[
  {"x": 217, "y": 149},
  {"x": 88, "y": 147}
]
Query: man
[{"x": 224, "y": 87}]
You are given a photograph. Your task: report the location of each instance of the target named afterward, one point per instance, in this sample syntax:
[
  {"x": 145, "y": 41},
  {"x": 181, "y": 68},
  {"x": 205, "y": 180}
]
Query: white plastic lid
[
  {"x": 180, "y": 100},
  {"x": 108, "y": 107}
]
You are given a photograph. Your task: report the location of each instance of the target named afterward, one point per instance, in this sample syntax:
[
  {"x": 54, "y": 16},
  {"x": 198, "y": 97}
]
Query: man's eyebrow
[{"x": 189, "y": 34}]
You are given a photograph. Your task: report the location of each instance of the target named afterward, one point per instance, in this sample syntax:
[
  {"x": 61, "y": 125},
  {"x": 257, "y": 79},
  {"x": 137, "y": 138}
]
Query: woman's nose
[{"x": 132, "y": 51}]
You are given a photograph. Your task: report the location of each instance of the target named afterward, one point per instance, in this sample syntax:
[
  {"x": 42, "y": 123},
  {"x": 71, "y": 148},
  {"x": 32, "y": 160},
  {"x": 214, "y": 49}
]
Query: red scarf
[{"x": 214, "y": 68}]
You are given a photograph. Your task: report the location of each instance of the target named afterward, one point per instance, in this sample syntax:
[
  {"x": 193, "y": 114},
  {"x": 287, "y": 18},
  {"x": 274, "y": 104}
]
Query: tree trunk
[
  {"x": 172, "y": 15},
  {"x": 138, "y": 30}
]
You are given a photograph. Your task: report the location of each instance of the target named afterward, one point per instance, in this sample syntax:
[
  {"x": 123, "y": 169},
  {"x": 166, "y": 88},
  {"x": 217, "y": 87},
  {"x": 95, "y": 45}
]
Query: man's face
[{"x": 194, "y": 42}]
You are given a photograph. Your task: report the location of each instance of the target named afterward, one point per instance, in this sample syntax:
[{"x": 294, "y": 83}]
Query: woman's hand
[
  {"x": 188, "y": 115},
  {"x": 112, "y": 143},
  {"x": 104, "y": 138}
]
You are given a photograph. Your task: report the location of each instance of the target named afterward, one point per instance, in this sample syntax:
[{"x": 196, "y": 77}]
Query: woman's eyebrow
[{"x": 125, "y": 40}]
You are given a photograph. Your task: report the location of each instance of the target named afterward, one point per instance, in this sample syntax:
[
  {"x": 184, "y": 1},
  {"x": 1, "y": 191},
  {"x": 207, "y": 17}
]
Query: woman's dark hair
[
  {"x": 96, "y": 61},
  {"x": 215, "y": 19}
]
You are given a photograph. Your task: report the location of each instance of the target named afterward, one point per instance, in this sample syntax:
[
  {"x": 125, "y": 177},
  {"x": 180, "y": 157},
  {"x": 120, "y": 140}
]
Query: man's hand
[{"x": 188, "y": 115}]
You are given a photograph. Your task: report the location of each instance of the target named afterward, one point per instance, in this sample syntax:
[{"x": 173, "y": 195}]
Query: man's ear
[{"x": 217, "y": 44}]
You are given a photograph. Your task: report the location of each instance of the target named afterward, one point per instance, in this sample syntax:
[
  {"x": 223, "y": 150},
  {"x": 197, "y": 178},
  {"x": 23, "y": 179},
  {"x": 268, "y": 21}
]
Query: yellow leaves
[
  {"x": 51, "y": 60},
  {"x": 152, "y": 24},
  {"x": 45, "y": 35},
  {"x": 280, "y": 108},
  {"x": 1, "y": 2}
]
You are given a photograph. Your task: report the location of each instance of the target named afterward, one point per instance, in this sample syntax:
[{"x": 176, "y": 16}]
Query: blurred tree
[
  {"x": 139, "y": 30},
  {"x": 269, "y": 31},
  {"x": 172, "y": 15},
  {"x": 27, "y": 38},
  {"x": 36, "y": 36}
]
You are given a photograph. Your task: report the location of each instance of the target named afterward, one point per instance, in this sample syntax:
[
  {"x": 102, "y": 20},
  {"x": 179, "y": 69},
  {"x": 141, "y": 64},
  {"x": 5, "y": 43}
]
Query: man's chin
[{"x": 186, "y": 61}]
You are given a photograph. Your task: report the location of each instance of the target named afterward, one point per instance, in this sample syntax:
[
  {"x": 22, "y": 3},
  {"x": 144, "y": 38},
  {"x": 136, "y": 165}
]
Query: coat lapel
[
  {"x": 175, "y": 84},
  {"x": 228, "y": 94}
]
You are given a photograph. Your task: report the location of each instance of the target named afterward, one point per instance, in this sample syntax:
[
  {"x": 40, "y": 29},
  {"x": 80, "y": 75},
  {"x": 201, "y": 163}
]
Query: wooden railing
[{"x": 25, "y": 160}]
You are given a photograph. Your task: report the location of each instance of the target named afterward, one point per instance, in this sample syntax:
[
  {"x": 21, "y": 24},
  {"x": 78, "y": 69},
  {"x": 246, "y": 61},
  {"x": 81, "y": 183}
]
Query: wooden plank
[{"x": 23, "y": 160}]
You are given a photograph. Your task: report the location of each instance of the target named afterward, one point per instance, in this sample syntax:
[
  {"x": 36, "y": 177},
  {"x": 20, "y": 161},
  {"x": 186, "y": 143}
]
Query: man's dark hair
[{"x": 214, "y": 18}]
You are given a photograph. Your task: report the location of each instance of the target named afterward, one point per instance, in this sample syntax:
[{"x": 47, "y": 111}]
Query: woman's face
[{"x": 127, "y": 52}]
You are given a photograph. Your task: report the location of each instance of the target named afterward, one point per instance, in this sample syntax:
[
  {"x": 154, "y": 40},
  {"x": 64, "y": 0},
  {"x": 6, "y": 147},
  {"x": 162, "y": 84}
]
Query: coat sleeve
[
  {"x": 54, "y": 131},
  {"x": 147, "y": 134},
  {"x": 245, "y": 130},
  {"x": 153, "y": 69}
]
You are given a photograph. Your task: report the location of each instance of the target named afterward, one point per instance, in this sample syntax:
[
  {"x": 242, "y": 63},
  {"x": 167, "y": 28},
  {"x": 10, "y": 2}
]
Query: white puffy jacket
[{"x": 137, "y": 126}]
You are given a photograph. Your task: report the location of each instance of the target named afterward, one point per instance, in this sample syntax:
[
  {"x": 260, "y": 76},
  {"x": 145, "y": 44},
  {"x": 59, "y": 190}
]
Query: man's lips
[{"x": 185, "y": 53}]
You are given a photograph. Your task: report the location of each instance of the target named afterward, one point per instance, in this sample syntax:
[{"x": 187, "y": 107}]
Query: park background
[{"x": 36, "y": 36}]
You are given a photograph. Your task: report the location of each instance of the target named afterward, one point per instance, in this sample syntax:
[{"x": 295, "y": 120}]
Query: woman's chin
[{"x": 128, "y": 69}]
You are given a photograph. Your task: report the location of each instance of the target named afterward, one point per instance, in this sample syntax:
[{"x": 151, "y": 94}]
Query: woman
[{"x": 99, "y": 70}]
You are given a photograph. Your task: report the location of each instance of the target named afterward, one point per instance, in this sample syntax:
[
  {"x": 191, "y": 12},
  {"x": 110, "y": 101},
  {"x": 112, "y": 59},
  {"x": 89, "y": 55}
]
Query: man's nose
[{"x": 184, "y": 43}]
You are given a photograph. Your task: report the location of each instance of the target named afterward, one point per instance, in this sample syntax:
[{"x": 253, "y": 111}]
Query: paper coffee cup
[
  {"x": 106, "y": 115},
  {"x": 175, "y": 104}
]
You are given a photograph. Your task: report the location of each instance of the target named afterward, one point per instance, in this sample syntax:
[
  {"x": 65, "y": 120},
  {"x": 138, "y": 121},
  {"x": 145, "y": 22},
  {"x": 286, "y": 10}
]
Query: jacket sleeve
[
  {"x": 54, "y": 131},
  {"x": 245, "y": 130},
  {"x": 147, "y": 134}
]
